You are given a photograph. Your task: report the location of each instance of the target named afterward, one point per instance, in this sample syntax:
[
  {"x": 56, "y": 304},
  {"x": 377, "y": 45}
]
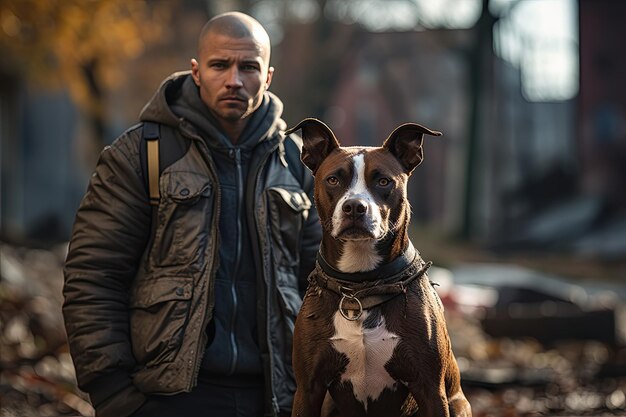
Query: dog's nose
[{"x": 354, "y": 207}]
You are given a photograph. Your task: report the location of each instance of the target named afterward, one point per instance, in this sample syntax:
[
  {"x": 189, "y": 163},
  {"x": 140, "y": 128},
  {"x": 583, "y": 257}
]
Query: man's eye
[
  {"x": 218, "y": 65},
  {"x": 250, "y": 68},
  {"x": 383, "y": 182},
  {"x": 332, "y": 180}
]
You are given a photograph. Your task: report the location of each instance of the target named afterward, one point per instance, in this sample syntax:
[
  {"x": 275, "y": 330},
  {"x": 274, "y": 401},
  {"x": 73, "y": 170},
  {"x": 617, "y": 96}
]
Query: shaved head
[
  {"x": 237, "y": 25},
  {"x": 233, "y": 70}
]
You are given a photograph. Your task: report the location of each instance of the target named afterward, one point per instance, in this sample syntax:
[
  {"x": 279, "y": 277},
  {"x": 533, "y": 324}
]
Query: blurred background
[{"x": 521, "y": 204}]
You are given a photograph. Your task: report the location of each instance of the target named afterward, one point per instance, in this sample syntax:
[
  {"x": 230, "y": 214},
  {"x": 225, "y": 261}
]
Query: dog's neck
[{"x": 351, "y": 256}]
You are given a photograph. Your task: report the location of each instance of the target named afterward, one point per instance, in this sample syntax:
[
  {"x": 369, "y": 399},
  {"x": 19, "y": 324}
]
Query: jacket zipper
[
  {"x": 233, "y": 288},
  {"x": 200, "y": 348}
]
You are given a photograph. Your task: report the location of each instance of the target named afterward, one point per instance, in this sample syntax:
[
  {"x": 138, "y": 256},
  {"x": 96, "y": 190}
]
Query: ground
[{"x": 502, "y": 376}]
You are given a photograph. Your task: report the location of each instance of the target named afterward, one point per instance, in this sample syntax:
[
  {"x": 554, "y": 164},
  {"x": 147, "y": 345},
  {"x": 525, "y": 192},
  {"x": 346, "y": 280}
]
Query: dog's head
[{"x": 360, "y": 192}]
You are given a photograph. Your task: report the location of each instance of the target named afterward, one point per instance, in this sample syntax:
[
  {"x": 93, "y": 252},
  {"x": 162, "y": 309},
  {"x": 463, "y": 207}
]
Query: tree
[{"x": 78, "y": 45}]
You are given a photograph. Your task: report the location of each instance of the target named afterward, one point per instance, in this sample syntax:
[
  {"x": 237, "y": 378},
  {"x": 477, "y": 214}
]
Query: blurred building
[
  {"x": 40, "y": 178},
  {"x": 386, "y": 79},
  {"x": 601, "y": 122}
]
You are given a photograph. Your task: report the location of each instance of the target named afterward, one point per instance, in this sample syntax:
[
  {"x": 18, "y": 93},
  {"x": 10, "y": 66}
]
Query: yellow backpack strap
[{"x": 151, "y": 135}]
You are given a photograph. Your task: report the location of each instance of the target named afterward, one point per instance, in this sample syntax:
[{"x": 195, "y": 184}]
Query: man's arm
[
  {"x": 312, "y": 230},
  {"x": 311, "y": 235},
  {"x": 108, "y": 239}
]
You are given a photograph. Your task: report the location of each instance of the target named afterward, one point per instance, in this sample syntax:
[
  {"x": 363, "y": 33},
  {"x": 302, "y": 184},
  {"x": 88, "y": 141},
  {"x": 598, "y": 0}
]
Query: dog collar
[
  {"x": 358, "y": 295},
  {"x": 384, "y": 272}
]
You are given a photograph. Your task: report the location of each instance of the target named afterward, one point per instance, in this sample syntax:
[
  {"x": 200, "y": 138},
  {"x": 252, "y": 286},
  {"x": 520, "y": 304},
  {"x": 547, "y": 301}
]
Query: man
[{"x": 187, "y": 308}]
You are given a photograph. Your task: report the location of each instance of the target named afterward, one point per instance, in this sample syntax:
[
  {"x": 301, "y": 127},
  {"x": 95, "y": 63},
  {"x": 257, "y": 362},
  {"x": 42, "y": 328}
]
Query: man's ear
[
  {"x": 405, "y": 143},
  {"x": 268, "y": 80},
  {"x": 195, "y": 71},
  {"x": 317, "y": 142}
]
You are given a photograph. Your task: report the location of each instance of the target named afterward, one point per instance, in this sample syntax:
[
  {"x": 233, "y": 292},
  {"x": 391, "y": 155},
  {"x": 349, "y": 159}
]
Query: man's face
[{"x": 232, "y": 74}]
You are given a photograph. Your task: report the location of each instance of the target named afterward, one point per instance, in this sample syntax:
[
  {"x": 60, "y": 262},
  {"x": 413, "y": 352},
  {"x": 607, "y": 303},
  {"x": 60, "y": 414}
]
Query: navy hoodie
[{"x": 232, "y": 354}]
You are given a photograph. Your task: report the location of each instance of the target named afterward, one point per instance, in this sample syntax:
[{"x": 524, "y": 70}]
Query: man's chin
[{"x": 232, "y": 115}]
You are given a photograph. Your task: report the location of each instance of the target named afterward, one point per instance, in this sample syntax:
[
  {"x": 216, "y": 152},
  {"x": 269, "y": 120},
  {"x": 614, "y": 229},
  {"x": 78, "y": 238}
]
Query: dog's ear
[
  {"x": 405, "y": 143},
  {"x": 317, "y": 142}
]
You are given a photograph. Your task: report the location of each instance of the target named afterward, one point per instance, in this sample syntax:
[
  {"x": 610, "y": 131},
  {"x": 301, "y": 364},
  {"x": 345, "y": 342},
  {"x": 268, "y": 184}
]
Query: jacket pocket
[
  {"x": 184, "y": 218},
  {"x": 287, "y": 211},
  {"x": 159, "y": 313}
]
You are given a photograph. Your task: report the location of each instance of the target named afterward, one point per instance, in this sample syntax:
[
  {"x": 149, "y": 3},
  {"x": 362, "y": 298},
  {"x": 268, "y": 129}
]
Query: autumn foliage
[{"x": 76, "y": 44}]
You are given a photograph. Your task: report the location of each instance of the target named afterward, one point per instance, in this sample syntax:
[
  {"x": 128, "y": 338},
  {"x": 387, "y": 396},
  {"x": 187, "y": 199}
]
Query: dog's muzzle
[{"x": 357, "y": 221}]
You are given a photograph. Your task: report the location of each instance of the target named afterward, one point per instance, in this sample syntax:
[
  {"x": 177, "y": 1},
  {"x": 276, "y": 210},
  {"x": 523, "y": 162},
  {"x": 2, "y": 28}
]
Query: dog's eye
[
  {"x": 383, "y": 182},
  {"x": 332, "y": 180}
]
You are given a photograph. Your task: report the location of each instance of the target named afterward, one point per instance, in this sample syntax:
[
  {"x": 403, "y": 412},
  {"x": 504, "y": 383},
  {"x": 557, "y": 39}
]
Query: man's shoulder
[
  {"x": 292, "y": 140},
  {"x": 127, "y": 145},
  {"x": 135, "y": 134},
  {"x": 292, "y": 145},
  {"x": 130, "y": 135}
]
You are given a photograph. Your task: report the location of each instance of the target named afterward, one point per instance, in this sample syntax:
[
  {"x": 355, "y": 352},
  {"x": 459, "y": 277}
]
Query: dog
[{"x": 370, "y": 338}]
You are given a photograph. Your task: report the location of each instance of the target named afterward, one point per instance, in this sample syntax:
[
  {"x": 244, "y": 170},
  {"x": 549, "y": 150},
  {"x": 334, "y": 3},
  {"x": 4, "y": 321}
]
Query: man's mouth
[{"x": 233, "y": 98}]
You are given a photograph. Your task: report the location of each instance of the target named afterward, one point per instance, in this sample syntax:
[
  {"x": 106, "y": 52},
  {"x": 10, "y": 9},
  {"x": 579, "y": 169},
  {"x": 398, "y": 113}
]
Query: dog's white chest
[{"x": 368, "y": 350}]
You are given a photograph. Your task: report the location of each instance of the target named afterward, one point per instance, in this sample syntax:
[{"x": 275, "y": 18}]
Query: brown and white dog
[{"x": 370, "y": 338}]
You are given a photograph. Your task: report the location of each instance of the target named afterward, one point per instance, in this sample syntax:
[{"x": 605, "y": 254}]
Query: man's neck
[{"x": 233, "y": 130}]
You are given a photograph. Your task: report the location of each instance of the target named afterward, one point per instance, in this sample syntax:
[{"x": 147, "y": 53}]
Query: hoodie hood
[
  {"x": 178, "y": 101},
  {"x": 157, "y": 109}
]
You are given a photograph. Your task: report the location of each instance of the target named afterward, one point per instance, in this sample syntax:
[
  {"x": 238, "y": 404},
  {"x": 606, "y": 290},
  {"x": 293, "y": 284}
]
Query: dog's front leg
[
  {"x": 459, "y": 406},
  {"x": 308, "y": 401},
  {"x": 431, "y": 400}
]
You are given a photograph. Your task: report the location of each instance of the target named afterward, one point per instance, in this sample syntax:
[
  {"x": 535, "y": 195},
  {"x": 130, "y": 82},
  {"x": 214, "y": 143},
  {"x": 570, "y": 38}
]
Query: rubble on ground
[{"x": 36, "y": 372}]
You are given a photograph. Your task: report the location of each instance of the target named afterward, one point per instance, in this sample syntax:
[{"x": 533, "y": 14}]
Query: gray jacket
[{"x": 136, "y": 307}]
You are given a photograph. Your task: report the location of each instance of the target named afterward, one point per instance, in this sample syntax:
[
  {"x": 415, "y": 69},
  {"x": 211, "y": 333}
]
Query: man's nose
[{"x": 234, "y": 78}]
